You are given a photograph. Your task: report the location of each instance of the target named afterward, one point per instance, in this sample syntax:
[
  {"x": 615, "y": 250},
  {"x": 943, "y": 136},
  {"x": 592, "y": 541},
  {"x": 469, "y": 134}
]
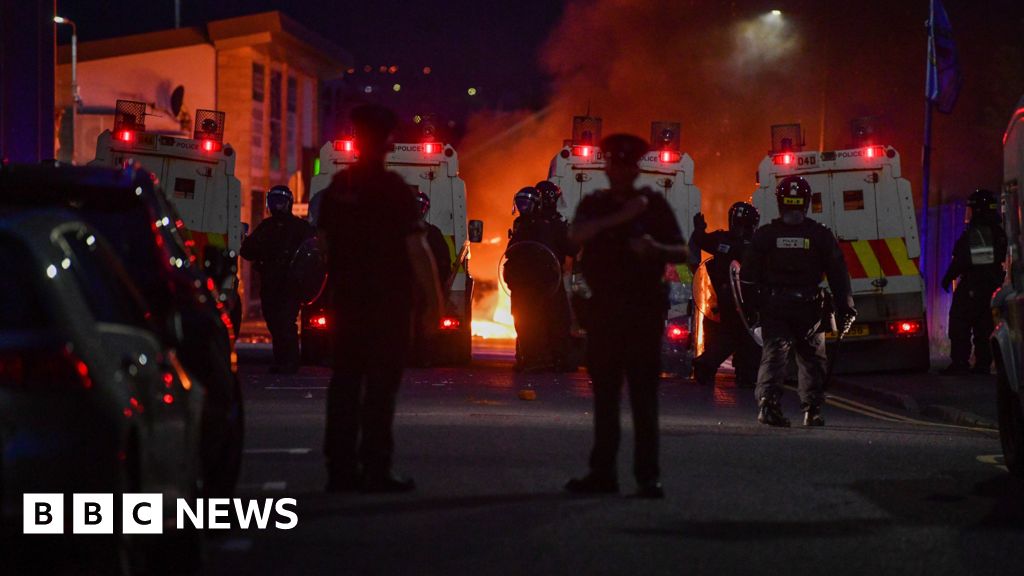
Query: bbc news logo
[{"x": 144, "y": 514}]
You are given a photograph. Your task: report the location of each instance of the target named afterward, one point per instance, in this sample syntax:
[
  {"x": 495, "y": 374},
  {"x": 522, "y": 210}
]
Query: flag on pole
[{"x": 943, "y": 79}]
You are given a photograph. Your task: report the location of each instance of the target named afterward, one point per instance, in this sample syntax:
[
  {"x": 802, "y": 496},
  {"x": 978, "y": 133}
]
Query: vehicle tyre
[
  {"x": 1011, "y": 424},
  {"x": 463, "y": 349}
]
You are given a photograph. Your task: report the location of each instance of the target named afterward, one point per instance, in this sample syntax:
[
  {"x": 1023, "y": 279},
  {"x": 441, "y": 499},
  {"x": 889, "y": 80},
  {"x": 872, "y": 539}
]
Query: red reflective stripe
[
  {"x": 885, "y": 258},
  {"x": 853, "y": 264}
]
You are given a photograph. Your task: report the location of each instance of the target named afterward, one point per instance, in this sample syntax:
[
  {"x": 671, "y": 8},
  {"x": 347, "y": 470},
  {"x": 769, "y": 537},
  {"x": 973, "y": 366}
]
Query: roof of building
[{"x": 268, "y": 30}]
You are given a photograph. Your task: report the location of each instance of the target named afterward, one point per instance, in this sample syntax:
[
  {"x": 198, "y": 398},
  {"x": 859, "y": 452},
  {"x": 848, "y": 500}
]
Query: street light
[{"x": 74, "y": 56}]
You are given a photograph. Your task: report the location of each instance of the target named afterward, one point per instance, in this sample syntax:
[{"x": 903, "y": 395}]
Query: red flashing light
[
  {"x": 449, "y": 323},
  {"x": 344, "y": 146},
  {"x": 905, "y": 327},
  {"x": 874, "y": 152},
  {"x": 786, "y": 159},
  {"x": 669, "y": 157},
  {"x": 168, "y": 399},
  {"x": 126, "y": 136},
  {"x": 210, "y": 145},
  {"x": 583, "y": 151},
  {"x": 431, "y": 148},
  {"x": 168, "y": 379},
  {"x": 319, "y": 322}
]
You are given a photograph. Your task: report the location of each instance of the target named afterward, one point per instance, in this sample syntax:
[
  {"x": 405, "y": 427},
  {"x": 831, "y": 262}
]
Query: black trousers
[
  {"x": 786, "y": 327},
  {"x": 729, "y": 337},
  {"x": 369, "y": 359},
  {"x": 281, "y": 310},
  {"x": 970, "y": 318},
  {"x": 625, "y": 342}
]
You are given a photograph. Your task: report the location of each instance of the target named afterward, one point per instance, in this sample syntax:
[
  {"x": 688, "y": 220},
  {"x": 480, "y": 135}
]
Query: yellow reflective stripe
[
  {"x": 685, "y": 276},
  {"x": 898, "y": 248},
  {"x": 867, "y": 258}
]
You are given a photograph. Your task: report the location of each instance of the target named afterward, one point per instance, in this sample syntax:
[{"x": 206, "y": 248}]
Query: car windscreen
[
  {"x": 129, "y": 232},
  {"x": 22, "y": 306},
  {"x": 110, "y": 298}
]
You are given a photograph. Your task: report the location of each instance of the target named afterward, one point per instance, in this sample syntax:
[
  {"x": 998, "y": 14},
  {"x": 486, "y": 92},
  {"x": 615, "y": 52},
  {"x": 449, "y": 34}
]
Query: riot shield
[
  {"x": 743, "y": 310},
  {"x": 307, "y": 272},
  {"x": 530, "y": 266}
]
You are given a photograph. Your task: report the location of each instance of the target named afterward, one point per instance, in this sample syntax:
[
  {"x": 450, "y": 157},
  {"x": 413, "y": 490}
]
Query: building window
[
  {"x": 290, "y": 136},
  {"x": 257, "y": 82},
  {"x": 276, "y": 106}
]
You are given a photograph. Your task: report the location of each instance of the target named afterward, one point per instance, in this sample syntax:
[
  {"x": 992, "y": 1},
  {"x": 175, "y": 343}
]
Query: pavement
[
  {"x": 967, "y": 400},
  {"x": 879, "y": 490}
]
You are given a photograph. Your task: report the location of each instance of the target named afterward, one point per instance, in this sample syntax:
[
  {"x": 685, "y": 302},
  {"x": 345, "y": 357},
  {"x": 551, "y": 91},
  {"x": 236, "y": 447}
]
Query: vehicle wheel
[
  {"x": 463, "y": 349},
  {"x": 1011, "y": 425}
]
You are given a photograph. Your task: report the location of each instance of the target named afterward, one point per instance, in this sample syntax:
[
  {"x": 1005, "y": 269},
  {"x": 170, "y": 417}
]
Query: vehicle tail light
[
  {"x": 905, "y": 327},
  {"x": 431, "y": 148},
  {"x": 210, "y": 146},
  {"x": 677, "y": 333},
  {"x": 126, "y": 136},
  {"x": 583, "y": 151},
  {"x": 449, "y": 323},
  {"x": 786, "y": 159},
  {"x": 44, "y": 370},
  {"x": 344, "y": 146},
  {"x": 318, "y": 321}
]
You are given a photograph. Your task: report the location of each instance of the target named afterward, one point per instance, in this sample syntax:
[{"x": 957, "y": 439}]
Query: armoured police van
[
  {"x": 861, "y": 196},
  {"x": 1008, "y": 303},
  {"x": 198, "y": 177},
  {"x": 578, "y": 169},
  {"x": 430, "y": 167}
]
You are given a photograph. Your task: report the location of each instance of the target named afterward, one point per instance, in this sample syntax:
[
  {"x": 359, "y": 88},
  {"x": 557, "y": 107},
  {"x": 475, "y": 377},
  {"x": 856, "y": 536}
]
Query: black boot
[
  {"x": 812, "y": 416},
  {"x": 770, "y": 413},
  {"x": 593, "y": 484}
]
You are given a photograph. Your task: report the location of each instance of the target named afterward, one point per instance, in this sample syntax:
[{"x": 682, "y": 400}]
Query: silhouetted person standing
[
  {"x": 378, "y": 259},
  {"x": 272, "y": 247},
  {"x": 628, "y": 236}
]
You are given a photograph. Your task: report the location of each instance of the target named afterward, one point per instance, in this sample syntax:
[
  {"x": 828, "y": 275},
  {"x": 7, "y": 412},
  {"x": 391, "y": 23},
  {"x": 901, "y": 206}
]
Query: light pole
[{"x": 68, "y": 155}]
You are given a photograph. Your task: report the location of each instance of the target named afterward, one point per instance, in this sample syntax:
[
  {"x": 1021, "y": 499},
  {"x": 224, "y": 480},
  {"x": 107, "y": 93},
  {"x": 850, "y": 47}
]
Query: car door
[
  {"x": 160, "y": 398},
  {"x": 854, "y": 205}
]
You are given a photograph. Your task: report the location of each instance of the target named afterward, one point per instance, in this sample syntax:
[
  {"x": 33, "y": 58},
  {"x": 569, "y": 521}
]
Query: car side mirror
[{"x": 476, "y": 231}]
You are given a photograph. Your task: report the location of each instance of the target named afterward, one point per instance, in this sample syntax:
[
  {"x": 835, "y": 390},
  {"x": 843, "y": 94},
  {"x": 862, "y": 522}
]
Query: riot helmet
[
  {"x": 743, "y": 219},
  {"x": 983, "y": 204},
  {"x": 527, "y": 201},
  {"x": 423, "y": 201},
  {"x": 280, "y": 200},
  {"x": 550, "y": 195},
  {"x": 793, "y": 195}
]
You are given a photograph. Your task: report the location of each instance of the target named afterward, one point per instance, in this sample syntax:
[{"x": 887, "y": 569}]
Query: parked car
[
  {"x": 91, "y": 399},
  {"x": 128, "y": 209}
]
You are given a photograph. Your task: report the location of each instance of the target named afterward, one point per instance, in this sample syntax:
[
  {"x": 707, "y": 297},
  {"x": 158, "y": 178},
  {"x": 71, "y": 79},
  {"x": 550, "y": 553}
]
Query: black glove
[
  {"x": 699, "y": 224},
  {"x": 845, "y": 321}
]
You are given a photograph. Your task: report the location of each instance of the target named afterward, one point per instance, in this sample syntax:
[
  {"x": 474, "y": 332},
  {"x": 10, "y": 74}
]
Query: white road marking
[{"x": 290, "y": 451}]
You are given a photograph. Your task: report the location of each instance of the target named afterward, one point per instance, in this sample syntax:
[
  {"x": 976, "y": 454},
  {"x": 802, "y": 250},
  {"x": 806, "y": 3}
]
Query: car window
[
  {"x": 103, "y": 285},
  {"x": 23, "y": 307},
  {"x": 130, "y": 233}
]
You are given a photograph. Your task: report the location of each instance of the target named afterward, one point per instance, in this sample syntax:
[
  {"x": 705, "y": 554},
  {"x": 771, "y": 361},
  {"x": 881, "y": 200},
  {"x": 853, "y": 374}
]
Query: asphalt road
[{"x": 874, "y": 492}]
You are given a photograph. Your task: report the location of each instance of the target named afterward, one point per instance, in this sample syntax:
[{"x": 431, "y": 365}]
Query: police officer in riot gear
[
  {"x": 785, "y": 263},
  {"x": 558, "y": 316},
  {"x": 728, "y": 336},
  {"x": 528, "y": 272},
  {"x": 978, "y": 263},
  {"x": 423, "y": 345},
  {"x": 272, "y": 247},
  {"x": 379, "y": 266},
  {"x": 627, "y": 238}
]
